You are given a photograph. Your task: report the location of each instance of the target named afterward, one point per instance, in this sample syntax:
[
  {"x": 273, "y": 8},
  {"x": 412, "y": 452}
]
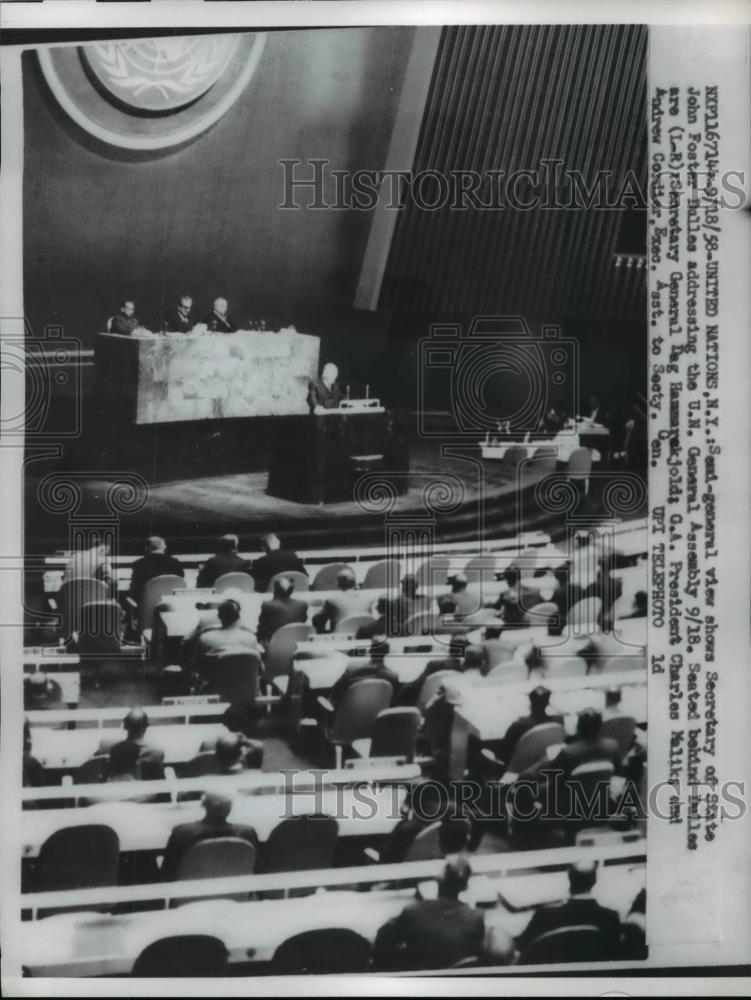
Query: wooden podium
[{"x": 317, "y": 459}]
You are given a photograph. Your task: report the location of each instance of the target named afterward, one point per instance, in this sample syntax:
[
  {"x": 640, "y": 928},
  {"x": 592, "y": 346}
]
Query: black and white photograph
[{"x": 338, "y": 410}]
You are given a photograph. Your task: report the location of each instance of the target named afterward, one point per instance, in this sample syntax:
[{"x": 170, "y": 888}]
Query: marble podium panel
[{"x": 207, "y": 376}]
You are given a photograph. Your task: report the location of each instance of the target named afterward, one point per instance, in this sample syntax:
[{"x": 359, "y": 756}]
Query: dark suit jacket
[
  {"x": 220, "y": 324},
  {"x": 342, "y": 605},
  {"x": 278, "y": 612},
  {"x": 576, "y": 911},
  {"x": 147, "y": 567},
  {"x": 430, "y": 934},
  {"x": 176, "y": 322},
  {"x": 278, "y": 561},
  {"x": 357, "y": 673},
  {"x": 216, "y": 566},
  {"x": 411, "y": 692},
  {"x": 377, "y": 627},
  {"x": 124, "y": 325},
  {"x": 187, "y": 834},
  {"x": 518, "y": 728},
  {"x": 584, "y": 752},
  {"x": 150, "y": 762},
  {"x": 515, "y": 603},
  {"x": 320, "y": 395},
  {"x": 464, "y": 602}
]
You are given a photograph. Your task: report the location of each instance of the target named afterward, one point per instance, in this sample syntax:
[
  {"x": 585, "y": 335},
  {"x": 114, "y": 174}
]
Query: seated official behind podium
[
  {"x": 324, "y": 392},
  {"x": 124, "y": 321},
  {"x": 219, "y": 319},
  {"x": 180, "y": 319}
]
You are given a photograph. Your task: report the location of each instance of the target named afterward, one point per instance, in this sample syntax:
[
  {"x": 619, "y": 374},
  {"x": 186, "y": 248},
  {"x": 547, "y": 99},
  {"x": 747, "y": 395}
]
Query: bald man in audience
[
  {"x": 156, "y": 562},
  {"x": 225, "y": 560},
  {"x": 150, "y": 764},
  {"x": 433, "y": 933},
  {"x": 217, "y": 808},
  {"x": 282, "y": 609},
  {"x": 349, "y": 601},
  {"x": 580, "y": 909},
  {"x": 230, "y": 637},
  {"x": 274, "y": 561}
]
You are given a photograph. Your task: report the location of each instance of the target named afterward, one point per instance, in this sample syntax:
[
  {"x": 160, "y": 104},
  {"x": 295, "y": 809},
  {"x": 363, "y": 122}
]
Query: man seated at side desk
[
  {"x": 324, "y": 392},
  {"x": 214, "y": 824},
  {"x": 580, "y": 909},
  {"x": 150, "y": 765},
  {"x": 225, "y": 560},
  {"x": 349, "y": 601},
  {"x": 125, "y": 322},
  {"x": 180, "y": 319},
  {"x": 282, "y": 609}
]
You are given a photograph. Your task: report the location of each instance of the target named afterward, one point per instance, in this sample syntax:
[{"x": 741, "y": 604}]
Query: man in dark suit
[
  {"x": 588, "y": 745},
  {"x": 433, "y": 933},
  {"x": 150, "y": 759},
  {"x": 282, "y": 609},
  {"x": 214, "y": 824},
  {"x": 180, "y": 319},
  {"x": 408, "y": 603},
  {"x": 454, "y": 661},
  {"x": 156, "y": 562},
  {"x": 219, "y": 320},
  {"x": 224, "y": 560},
  {"x": 349, "y": 601},
  {"x": 374, "y": 667},
  {"x": 276, "y": 560},
  {"x": 125, "y": 321},
  {"x": 379, "y": 627},
  {"x": 516, "y": 600},
  {"x": 324, "y": 392},
  {"x": 539, "y": 699},
  {"x": 578, "y": 910},
  {"x": 459, "y": 599}
]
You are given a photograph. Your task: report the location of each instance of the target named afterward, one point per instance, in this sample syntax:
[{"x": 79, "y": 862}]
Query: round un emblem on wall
[{"x": 151, "y": 93}]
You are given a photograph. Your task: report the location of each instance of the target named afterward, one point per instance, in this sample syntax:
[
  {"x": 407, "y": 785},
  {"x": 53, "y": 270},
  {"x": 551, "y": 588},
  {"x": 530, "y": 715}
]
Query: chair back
[
  {"x": 282, "y": 648},
  {"x": 301, "y": 843},
  {"x": 187, "y": 955},
  {"x": 498, "y": 651},
  {"x": 423, "y": 623},
  {"x": 579, "y": 463},
  {"x": 351, "y": 624},
  {"x": 620, "y": 728},
  {"x": 326, "y": 577},
  {"x": 93, "y": 770},
  {"x": 203, "y": 763},
  {"x": 540, "y": 614},
  {"x": 510, "y": 672},
  {"x": 328, "y": 950},
  {"x": 584, "y": 614},
  {"x": 361, "y": 702},
  {"x": 100, "y": 628},
  {"x": 579, "y": 943},
  {"x": 433, "y": 572},
  {"x": 545, "y": 457},
  {"x": 427, "y": 844},
  {"x": 395, "y": 733},
  {"x": 619, "y": 664},
  {"x": 78, "y": 857},
  {"x": 533, "y": 744},
  {"x": 592, "y": 781},
  {"x": 217, "y": 857},
  {"x": 298, "y": 580},
  {"x": 557, "y": 667},
  {"x": 235, "y": 677},
  {"x": 243, "y": 582},
  {"x": 71, "y": 598},
  {"x": 154, "y": 594},
  {"x": 481, "y": 569},
  {"x": 383, "y": 575},
  {"x": 430, "y": 688}
]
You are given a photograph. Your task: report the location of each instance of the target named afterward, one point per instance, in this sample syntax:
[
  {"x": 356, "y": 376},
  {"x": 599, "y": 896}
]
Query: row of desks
[{"x": 97, "y": 944}]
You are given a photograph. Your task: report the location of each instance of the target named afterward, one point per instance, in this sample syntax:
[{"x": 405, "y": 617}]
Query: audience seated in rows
[
  {"x": 275, "y": 560},
  {"x": 215, "y": 824},
  {"x": 433, "y": 933},
  {"x": 155, "y": 563},
  {"x": 225, "y": 560},
  {"x": 150, "y": 759},
  {"x": 282, "y": 609},
  {"x": 349, "y": 601}
]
